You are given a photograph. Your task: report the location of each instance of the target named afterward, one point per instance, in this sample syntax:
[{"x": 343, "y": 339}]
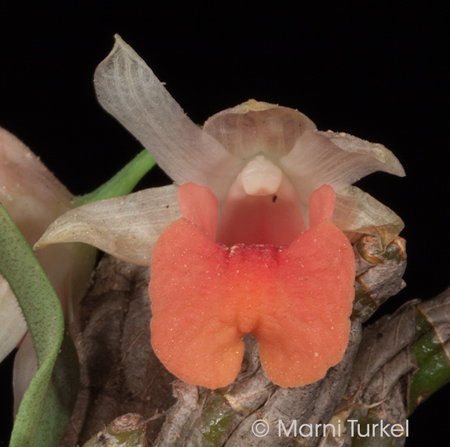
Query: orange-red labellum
[{"x": 295, "y": 300}]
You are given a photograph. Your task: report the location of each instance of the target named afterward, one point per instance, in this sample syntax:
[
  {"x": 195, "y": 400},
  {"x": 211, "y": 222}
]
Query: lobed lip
[{"x": 295, "y": 300}]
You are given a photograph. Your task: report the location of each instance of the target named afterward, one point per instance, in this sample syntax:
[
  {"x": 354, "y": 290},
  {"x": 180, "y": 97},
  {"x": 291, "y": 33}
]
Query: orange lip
[{"x": 295, "y": 300}]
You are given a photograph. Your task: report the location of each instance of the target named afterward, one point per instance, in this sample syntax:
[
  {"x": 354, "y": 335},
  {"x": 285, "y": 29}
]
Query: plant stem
[{"x": 123, "y": 182}]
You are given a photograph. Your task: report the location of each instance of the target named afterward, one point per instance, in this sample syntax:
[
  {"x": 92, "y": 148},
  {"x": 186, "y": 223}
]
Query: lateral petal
[{"x": 335, "y": 159}]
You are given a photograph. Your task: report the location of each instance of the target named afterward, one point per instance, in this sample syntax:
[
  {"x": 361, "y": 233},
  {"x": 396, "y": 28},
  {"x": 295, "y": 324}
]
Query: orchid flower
[
  {"x": 254, "y": 236},
  {"x": 34, "y": 198}
]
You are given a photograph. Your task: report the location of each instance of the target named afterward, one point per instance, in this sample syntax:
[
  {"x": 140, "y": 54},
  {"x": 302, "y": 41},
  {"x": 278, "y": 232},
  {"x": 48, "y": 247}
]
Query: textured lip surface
[{"x": 295, "y": 300}]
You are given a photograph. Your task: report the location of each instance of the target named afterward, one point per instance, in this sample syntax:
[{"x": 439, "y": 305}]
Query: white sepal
[
  {"x": 126, "y": 227},
  {"x": 129, "y": 90},
  {"x": 256, "y": 126}
]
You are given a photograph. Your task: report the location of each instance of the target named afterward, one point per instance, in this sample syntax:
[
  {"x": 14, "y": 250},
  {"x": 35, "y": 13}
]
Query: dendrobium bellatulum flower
[{"x": 254, "y": 237}]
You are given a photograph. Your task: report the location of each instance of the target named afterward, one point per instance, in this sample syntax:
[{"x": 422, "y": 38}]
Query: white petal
[
  {"x": 129, "y": 90},
  {"x": 376, "y": 151},
  {"x": 126, "y": 227},
  {"x": 12, "y": 322},
  {"x": 256, "y": 126},
  {"x": 25, "y": 368},
  {"x": 335, "y": 159},
  {"x": 359, "y": 213}
]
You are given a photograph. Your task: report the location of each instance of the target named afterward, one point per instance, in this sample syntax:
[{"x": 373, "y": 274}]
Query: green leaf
[{"x": 47, "y": 404}]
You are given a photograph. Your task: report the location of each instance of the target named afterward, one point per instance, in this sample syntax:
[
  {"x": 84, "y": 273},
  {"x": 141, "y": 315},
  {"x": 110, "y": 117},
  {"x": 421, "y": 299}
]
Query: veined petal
[
  {"x": 377, "y": 151},
  {"x": 335, "y": 159},
  {"x": 256, "y": 126},
  {"x": 125, "y": 227},
  {"x": 357, "y": 213},
  {"x": 12, "y": 322},
  {"x": 128, "y": 89}
]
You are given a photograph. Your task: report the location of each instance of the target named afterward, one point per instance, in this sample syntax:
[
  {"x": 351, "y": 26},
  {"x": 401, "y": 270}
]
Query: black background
[{"x": 373, "y": 71}]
